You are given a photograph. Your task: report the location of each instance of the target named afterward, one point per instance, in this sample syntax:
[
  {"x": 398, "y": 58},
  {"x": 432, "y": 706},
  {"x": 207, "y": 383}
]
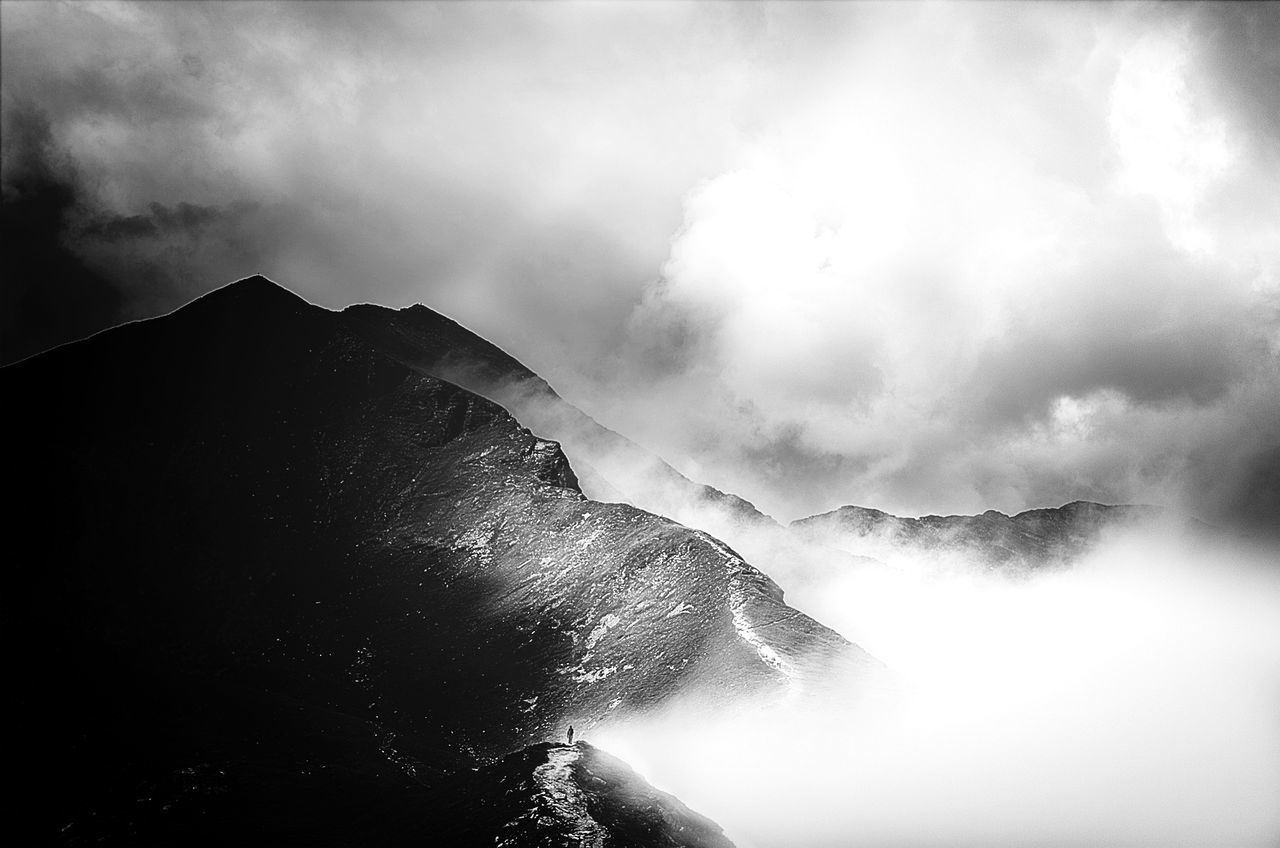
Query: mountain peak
[
  {"x": 270, "y": 527},
  {"x": 255, "y": 291}
]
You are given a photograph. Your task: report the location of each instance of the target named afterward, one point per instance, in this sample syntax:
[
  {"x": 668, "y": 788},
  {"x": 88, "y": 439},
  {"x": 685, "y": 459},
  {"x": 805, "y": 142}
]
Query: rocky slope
[
  {"x": 555, "y": 795},
  {"x": 274, "y": 585},
  {"x": 1031, "y": 539},
  {"x": 611, "y": 467}
]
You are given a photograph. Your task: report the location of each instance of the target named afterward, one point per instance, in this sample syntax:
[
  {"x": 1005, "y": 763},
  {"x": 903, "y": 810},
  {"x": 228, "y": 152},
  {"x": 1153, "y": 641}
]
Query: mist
[
  {"x": 1130, "y": 699},
  {"x": 1126, "y": 694}
]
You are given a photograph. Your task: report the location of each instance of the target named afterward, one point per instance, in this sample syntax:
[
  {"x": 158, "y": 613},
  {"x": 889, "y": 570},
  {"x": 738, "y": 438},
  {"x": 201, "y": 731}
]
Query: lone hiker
[{"x": 570, "y": 734}]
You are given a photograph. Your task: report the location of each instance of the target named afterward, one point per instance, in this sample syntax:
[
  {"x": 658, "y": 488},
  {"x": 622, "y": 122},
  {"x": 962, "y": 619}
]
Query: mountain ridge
[
  {"x": 1031, "y": 538},
  {"x": 553, "y": 793},
  {"x": 271, "y": 571},
  {"x": 416, "y": 336}
]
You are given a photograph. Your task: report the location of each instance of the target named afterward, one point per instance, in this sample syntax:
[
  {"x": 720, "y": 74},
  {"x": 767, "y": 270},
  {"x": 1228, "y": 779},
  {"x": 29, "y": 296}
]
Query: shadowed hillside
[{"x": 280, "y": 584}]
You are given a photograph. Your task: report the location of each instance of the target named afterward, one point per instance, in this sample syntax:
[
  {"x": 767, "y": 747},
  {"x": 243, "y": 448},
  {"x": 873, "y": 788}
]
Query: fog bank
[{"x": 1133, "y": 699}]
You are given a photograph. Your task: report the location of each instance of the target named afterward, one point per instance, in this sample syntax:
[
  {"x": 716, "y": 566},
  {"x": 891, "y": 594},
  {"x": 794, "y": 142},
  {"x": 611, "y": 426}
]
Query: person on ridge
[{"x": 570, "y": 734}]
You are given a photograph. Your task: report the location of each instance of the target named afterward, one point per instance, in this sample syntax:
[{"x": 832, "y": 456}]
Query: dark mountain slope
[
  {"x": 614, "y": 467},
  {"x": 1033, "y": 538},
  {"x": 274, "y": 584}
]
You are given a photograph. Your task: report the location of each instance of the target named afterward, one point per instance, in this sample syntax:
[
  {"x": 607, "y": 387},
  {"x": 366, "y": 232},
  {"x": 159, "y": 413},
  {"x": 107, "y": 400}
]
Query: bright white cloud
[
  {"x": 1130, "y": 701},
  {"x": 900, "y": 274},
  {"x": 1165, "y": 149}
]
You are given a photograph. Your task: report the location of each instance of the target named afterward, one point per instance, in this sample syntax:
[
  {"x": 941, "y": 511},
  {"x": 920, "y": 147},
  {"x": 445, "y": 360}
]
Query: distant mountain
[
  {"x": 611, "y": 467},
  {"x": 1035, "y": 538},
  {"x": 272, "y": 585}
]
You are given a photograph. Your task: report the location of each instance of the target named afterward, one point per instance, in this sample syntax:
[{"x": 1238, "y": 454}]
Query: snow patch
[
  {"x": 595, "y": 676},
  {"x": 715, "y": 543},
  {"x": 599, "y": 631}
]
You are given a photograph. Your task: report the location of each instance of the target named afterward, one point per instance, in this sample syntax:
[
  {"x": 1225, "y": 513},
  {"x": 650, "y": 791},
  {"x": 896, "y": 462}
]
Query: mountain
[
  {"x": 554, "y": 794},
  {"x": 611, "y": 467},
  {"x": 270, "y": 583},
  {"x": 1032, "y": 539}
]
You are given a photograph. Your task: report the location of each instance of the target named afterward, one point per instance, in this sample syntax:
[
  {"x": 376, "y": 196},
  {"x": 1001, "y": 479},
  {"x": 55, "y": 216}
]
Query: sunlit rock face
[
  {"x": 554, "y": 795},
  {"x": 279, "y": 584},
  {"x": 1033, "y": 539}
]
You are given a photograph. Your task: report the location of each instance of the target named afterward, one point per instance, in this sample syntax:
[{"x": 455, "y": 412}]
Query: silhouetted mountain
[
  {"x": 1033, "y": 538},
  {"x": 276, "y": 586}
]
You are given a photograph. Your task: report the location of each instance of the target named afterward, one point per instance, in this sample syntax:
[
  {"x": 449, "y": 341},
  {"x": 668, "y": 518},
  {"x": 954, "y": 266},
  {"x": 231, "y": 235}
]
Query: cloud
[
  {"x": 902, "y": 299},
  {"x": 1239, "y": 41},
  {"x": 184, "y": 218},
  {"x": 927, "y": 257},
  {"x": 1127, "y": 701},
  {"x": 73, "y": 267},
  {"x": 518, "y": 166},
  {"x": 50, "y": 296},
  {"x": 812, "y": 253}
]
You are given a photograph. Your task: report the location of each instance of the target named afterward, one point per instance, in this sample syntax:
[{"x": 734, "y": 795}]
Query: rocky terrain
[
  {"x": 555, "y": 795},
  {"x": 1032, "y": 539},
  {"x": 275, "y": 585},
  {"x": 610, "y": 466}
]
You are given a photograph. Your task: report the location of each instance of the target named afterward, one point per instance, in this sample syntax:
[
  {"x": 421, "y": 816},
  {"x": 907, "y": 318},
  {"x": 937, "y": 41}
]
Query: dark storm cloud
[
  {"x": 1148, "y": 365},
  {"x": 510, "y": 164},
  {"x": 182, "y": 218},
  {"x": 1242, "y": 44},
  {"x": 1257, "y": 499},
  {"x": 1141, "y": 319},
  {"x": 72, "y": 268},
  {"x": 49, "y": 296}
]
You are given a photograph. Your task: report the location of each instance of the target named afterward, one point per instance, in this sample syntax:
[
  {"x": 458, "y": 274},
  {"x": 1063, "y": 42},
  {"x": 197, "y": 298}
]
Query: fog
[
  {"x": 1130, "y": 699},
  {"x": 1127, "y": 694}
]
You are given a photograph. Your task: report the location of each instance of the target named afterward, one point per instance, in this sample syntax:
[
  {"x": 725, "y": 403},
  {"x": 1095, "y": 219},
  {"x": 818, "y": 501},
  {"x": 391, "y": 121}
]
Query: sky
[{"x": 934, "y": 257}]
